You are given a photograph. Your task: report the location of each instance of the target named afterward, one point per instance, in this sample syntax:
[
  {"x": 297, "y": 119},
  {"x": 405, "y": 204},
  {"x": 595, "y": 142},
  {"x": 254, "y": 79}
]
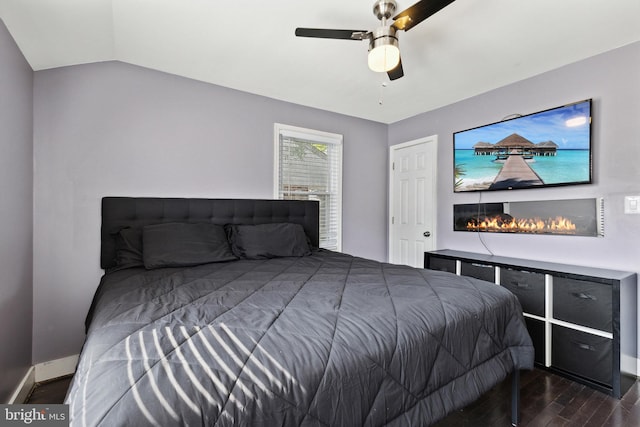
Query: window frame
[{"x": 315, "y": 136}]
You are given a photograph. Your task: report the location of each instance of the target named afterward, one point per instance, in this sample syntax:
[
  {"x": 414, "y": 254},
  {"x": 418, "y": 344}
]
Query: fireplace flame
[{"x": 558, "y": 225}]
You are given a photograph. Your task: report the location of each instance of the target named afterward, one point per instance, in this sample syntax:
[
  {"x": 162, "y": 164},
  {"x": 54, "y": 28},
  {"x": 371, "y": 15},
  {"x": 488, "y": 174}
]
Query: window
[{"x": 308, "y": 166}]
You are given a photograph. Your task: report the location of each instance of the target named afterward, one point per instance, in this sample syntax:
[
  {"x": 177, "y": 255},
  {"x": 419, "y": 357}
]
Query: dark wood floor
[
  {"x": 52, "y": 391},
  {"x": 550, "y": 400},
  {"x": 547, "y": 400}
]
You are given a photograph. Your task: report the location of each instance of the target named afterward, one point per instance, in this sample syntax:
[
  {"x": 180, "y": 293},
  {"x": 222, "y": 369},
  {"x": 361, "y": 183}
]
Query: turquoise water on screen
[{"x": 565, "y": 166}]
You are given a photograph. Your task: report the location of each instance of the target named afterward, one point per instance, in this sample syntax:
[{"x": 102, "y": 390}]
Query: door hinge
[{"x": 393, "y": 220}]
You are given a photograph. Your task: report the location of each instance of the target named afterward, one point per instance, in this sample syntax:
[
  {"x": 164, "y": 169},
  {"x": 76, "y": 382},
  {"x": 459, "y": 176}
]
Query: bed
[{"x": 272, "y": 331}]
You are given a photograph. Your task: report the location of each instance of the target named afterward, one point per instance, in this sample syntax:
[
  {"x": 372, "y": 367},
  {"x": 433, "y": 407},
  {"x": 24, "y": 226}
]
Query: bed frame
[{"x": 121, "y": 212}]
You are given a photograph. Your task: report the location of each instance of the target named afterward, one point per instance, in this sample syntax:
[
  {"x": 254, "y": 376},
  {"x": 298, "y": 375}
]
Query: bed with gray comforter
[{"x": 325, "y": 339}]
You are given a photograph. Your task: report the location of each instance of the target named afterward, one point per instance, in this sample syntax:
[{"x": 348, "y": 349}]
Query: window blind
[{"x": 310, "y": 168}]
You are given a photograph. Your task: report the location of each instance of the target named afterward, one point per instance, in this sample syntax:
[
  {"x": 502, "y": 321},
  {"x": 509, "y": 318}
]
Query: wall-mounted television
[{"x": 547, "y": 148}]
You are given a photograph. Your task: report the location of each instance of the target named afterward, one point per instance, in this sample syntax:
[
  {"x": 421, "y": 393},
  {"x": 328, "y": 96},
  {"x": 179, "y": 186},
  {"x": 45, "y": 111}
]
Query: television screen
[{"x": 547, "y": 148}]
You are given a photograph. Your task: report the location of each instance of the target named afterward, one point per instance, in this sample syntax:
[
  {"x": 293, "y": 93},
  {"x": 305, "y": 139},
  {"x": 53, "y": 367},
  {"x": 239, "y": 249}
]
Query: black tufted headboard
[{"x": 120, "y": 212}]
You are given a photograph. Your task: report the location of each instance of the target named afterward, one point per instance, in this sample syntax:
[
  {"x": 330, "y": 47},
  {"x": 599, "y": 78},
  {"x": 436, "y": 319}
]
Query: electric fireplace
[{"x": 569, "y": 217}]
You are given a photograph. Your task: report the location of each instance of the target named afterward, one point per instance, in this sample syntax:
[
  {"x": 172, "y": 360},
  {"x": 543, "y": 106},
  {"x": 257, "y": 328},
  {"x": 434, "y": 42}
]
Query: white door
[{"x": 412, "y": 201}]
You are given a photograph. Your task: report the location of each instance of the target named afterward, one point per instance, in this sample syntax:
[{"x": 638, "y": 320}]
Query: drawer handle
[
  {"x": 583, "y": 295},
  {"x": 584, "y": 346},
  {"x": 481, "y": 265},
  {"x": 522, "y": 285}
]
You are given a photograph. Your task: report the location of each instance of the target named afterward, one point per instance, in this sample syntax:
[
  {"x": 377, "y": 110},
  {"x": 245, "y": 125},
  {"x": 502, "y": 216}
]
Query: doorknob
[{"x": 426, "y": 234}]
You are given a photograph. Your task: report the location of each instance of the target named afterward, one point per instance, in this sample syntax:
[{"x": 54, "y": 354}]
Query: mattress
[{"x": 322, "y": 340}]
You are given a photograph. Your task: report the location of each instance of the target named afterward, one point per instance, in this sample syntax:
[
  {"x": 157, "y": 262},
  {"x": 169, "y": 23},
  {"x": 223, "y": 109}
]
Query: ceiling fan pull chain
[{"x": 381, "y": 98}]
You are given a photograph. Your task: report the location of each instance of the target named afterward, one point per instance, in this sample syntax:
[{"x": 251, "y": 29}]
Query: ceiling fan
[{"x": 384, "y": 54}]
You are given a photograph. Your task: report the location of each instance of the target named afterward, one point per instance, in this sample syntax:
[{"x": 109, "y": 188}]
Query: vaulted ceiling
[{"x": 469, "y": 47}]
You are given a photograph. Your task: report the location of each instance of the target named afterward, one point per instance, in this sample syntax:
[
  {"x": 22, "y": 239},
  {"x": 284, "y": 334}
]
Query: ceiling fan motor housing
[{"x": 383, "y": 36}]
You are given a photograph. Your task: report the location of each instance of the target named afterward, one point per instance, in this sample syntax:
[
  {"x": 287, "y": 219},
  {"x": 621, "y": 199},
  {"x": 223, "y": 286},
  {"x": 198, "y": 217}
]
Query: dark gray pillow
[
  {"x": 268, "y": 240},
  {"x": 129, "y": 248},
  {"x": 184, "y": 244}
]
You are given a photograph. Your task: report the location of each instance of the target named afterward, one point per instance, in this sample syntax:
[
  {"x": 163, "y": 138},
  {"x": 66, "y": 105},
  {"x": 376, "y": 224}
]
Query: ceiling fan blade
[
  {"x": 417, "y": 13},
  {"x": 332, "y": 34},
  {"x": 397, "y": 72}
]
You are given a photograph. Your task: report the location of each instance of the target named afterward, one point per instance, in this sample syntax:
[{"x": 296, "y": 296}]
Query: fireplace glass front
[{"x": 570, "y": 217}]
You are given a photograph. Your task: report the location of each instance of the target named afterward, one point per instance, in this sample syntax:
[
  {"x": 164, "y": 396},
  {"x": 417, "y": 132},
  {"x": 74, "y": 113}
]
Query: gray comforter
[{"x": 323, "y": 340}]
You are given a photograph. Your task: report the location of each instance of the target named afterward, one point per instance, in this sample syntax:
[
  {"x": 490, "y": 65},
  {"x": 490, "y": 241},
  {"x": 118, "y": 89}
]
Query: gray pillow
[
  {"x": 184, "y": 244},
  {"x": 129, "y": 248},
  {"x": 268, "y": 240}
]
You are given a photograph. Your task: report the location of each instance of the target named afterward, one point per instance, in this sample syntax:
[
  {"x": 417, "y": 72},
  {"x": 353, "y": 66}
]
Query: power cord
[{"x": 478, "y": 232}]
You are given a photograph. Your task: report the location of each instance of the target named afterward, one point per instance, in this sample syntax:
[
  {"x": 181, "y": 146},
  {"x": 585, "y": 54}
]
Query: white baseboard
[
  {"x": 629, "y": 365},
  {"x": 56, "y": 368},
  {"x": 25, "y": 386}
]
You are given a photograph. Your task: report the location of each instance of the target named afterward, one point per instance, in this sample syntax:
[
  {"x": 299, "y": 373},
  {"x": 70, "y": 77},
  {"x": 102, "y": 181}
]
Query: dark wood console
[{"x": 573, "y": 313}]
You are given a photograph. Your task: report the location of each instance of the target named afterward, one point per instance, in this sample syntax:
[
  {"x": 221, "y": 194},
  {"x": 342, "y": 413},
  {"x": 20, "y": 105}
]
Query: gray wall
[
  {"x": 612, "y": 79},
  {"x": 117, "y": 129},
  {"x": 16, "y": 213}
]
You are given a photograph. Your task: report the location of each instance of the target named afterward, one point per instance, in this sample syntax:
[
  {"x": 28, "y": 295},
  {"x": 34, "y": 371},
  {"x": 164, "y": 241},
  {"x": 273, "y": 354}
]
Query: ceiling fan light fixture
[{"x": 384, "y": 54}]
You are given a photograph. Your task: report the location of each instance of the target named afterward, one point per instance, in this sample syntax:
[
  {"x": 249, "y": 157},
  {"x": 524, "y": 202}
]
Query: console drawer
[
  {"x": 583, "y": 354},
  {"x": 442, "y": 264},
  {"x": 575, "y": 315},
  {"x": 479, "y": 271},
  {"x": 527, "y": 286},
  {"x": 582, "y": 302}
]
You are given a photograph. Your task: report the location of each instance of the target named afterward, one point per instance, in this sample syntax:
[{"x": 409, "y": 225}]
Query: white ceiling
[{"x": 468, "y": 48}]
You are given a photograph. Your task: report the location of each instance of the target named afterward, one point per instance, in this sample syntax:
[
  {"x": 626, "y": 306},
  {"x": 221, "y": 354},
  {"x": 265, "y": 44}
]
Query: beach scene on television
[{"x": 551, "y": 147}]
